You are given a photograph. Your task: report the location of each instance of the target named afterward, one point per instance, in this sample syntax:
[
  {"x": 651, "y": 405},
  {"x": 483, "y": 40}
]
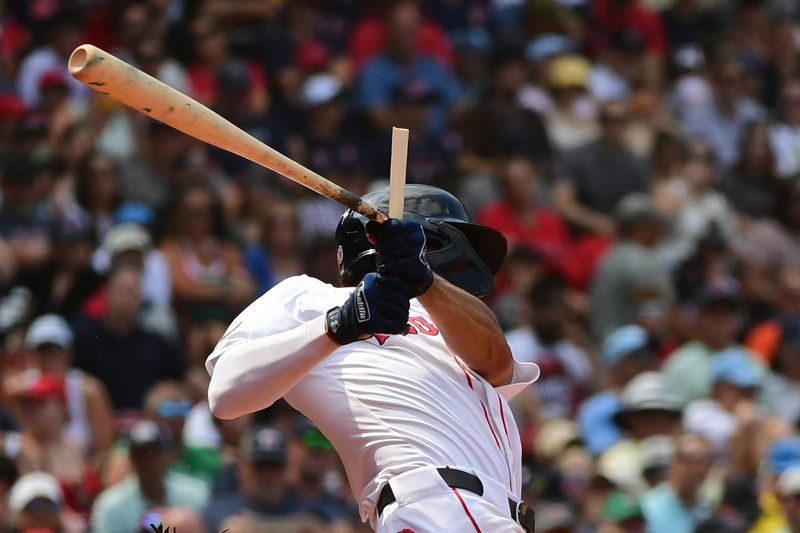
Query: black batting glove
[
  {"x": 400, "y": 253},
  {"x": 377, "y": 305}
]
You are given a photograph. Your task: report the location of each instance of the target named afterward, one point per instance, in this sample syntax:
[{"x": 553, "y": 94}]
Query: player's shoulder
[{"x": 296, "y": 293}]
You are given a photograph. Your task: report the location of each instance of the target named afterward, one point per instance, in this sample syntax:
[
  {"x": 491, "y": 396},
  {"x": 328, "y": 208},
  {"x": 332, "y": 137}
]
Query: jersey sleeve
[{"x": 292, "y": 302}]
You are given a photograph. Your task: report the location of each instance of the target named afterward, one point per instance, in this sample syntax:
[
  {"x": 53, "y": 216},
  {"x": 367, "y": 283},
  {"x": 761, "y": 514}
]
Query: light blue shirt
[{"x": 664, "y": 513}]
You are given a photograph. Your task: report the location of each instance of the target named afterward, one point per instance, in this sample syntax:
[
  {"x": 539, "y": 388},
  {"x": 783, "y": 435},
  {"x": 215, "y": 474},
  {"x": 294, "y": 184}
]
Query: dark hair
[
  {"x": 768, "y": 175},
  {"x": 547, "y": 291},
  {"x": 218, "y": 228},
  {"x": 85, "y": 173}
]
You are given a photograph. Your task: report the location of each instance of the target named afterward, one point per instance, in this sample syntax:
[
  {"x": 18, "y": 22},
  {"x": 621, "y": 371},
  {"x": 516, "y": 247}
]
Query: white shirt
[
  {"x": 785, "y": 141},
  {"x": 388, "y": 404}
]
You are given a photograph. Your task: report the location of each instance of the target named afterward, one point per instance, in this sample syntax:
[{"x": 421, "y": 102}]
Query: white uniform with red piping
[{"x": 393, "y": 407}]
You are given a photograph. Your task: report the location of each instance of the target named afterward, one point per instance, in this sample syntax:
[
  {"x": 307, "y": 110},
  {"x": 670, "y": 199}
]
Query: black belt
[{"x": 458, "y": 479}]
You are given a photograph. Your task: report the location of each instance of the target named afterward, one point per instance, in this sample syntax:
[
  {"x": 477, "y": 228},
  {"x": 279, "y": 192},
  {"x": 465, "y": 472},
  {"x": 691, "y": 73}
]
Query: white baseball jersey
[{"x": 388, "y": 404}]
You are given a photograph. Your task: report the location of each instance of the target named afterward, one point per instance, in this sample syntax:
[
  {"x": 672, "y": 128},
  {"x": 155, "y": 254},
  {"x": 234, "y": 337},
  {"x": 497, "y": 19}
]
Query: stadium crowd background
[{"x": 641, "y": 156}]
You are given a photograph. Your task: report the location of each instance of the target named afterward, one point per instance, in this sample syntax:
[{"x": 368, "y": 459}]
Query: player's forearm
[
  {"x": 253, "y": 374},
  {"x": 470, "y": 329}
]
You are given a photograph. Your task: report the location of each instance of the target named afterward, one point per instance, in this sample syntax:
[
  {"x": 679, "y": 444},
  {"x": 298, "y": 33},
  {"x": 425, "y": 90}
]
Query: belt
[{"x": 458, "y": 479}]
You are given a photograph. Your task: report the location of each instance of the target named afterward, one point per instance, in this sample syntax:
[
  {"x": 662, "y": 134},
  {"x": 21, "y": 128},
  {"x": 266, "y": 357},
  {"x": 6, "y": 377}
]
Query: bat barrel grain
[{"x": 113, "y": 77}]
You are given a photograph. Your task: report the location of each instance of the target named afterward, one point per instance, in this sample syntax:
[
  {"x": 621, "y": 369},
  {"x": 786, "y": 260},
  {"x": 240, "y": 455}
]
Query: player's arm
[
  {"x": 470, "y": 329},
  {"x": 250, "y": 372},
  {"x": 467, "y": 325}
]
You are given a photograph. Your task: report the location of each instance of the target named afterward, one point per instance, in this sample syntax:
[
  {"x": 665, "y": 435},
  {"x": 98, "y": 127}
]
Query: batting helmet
[{"x": 467, "y": 255}]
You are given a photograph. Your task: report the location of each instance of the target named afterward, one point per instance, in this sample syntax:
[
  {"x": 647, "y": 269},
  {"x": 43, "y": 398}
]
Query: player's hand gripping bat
[{"x": 113, "y": 77}]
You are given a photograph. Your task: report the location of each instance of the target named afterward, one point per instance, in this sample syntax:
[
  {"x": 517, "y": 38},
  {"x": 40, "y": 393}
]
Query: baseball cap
[
  {"x": 789, "y": 481},
  {"x": 264, "y": 444},
  {"x": 648, "y": 391},
  {"x": 620, "y": 506},
  {"x": 320, "y": 89},
  {"x": 472, "y": 41},
  {"x": 784, "y": 454},
  {"x": 737, "y": 366},
  {"x": 569, "y": 71},
  {"x": 555, "y": 436},
  {"x": 548, "y": 45},
  {"x": 147, "y": 434},
  {"x": 620, "y": 466},
  {"x": 49, "y": 329},
  {"x": 46, "y": 386},
  {"x": 32, "y": 486},
  {"x": 623, "y": 342},
  {"x": 415, "y": 90},
  {"x": 53, "y": 78},
  {"x": 628, "y": 39},
  {"x": 126, "y": 237},
  {"x": 637, "y": 207},
  {"x": 234, "y": 75},
  {"x": 656, "y": 451}
]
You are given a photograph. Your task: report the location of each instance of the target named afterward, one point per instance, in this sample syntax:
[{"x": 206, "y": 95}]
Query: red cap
[
  {"x": 46, "y": 386},
  {"x": 53, "y": 78},
  {"x": 11, "y": 106},
  {"x": 312, "y": 56}
]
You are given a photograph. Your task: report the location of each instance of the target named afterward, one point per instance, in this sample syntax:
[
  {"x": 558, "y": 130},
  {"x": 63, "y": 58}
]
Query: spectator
[
  {"x": 784, "y": 136},
  {"x": 115, "y": 349},
  {"x": 124, "y": 508},
  {"x": 677, "y": 505},
  {"x": 752, "y": 185},
  {"x": 648, "y": 407},
  {"x": 597, "y": 175},
  {"x": 721, "y": 122},
  {"x": 622, "y": 514},
  {"x": 718, "y": 319},
  {"x": 631, "y": 275},
  {"x": 565, "y": 368},
  {"x": 521, "y": 218},
  {"x": 97, "y": 192},
  {"x": 210, "y": 283},
  {"x": 788, "y": 490},
  {"x": 625, "y": 354},
  {"x": 783, "y": 384},
  {"x": 37, "y": 504},
  {"x": 383, "y": 74},
  {"x": 89, "y": 409},
  {"x": 264, "y": 490},
  {"x": 736, "y": 380}
]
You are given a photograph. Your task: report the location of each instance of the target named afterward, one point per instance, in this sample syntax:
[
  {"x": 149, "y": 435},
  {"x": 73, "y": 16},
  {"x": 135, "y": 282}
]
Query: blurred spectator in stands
[
  {"x": 231, "y": 433},
  {"x": 473, "y": 47},
  {"x": 90, "y": 416},
  {"x": 375, "y": 34},
  {"x": 677, "y": 505},
  {"x": 690, "y": 23},
  {"x": 699, "y": 205},
  {"x": 36, "y": 503},
  {"x": 596, "y": 176},
  {"x": 25, "y": 229},
  {"x": 402, "y": 59},
  {"x": 715, "y": 319},
  {"x": 63, "y": 35},
  {"x": 47, "y": 444},
  {"x": 114, "y": 348},
  {"x": 520, "y": 216},
  {"x": 620, "y": 68},
  {"x": 621, "y": 514},
  {"x": 721, "y": 122},
  {"x": 736, "y": 379},
  {"x": 97, "y": 192},
  {"x": 783, "y": 383},
  {"x": 315, "y": 480},
  {"x": 789, "y": 497},
  {"x": 8, "y": 477},
  {"x": 54, "y": 102},
  {"x": 752, "y": 185},
  {"x": 565, "y": 367},
  {"x": 572, "y": 119},
  {"x": 210, "y": 282},
  {"x": 263, "y": 490},
  {"x": 150, "y": 56},
  {"x": 281, "y": 236},
  {"x": 785, "y": 135},
  {"x": 610, "y": 16},
  {"x": 625, "y": 354},
  {"x": 539, "y": 53},
  {"x": 631, "y": 275},
  {"x": 648, "y": 407},
  {"x": 152, "y": 485}
]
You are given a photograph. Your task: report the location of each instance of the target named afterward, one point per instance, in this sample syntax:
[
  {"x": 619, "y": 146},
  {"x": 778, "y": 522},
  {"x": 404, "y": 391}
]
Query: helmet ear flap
[{"x": 458, "y": 262}]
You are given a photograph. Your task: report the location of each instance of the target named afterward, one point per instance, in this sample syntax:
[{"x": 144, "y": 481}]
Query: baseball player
[{"x": 403, "y": 368}]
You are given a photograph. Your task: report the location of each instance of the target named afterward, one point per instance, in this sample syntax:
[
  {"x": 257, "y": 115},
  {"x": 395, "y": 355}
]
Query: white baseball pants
[{"x": 425, "y": 504}]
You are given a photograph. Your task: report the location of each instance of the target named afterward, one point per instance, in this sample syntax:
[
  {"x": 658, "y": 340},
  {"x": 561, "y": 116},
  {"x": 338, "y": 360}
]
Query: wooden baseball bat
[
  {"x": 113, "y": 77},
  {"x": 397, "y": 172}
]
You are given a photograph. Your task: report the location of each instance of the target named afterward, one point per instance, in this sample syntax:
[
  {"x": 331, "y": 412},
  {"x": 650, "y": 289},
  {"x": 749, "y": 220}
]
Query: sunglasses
[{"x": 174, "y": 409}]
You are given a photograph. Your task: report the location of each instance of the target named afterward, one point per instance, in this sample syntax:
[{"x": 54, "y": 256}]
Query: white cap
[
  {"x": 125, "y": 237},
  {"x": 789, "y": 482},
  {"x": 49, "y": 329},
  {"x": 32, "y": 486},
  {"x": 320, "y": 89}
]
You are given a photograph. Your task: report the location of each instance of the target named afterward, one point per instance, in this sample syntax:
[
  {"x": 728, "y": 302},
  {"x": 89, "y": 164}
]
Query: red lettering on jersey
[
  {"x": 423, "y": 325},
  {"x": 406, "y": 530},
  {"x": 381, "y": 338}
]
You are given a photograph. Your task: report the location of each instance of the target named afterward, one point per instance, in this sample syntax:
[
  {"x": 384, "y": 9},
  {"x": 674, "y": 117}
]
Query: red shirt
[
  {"x": 369, "y": 39},
  {"x": 609, "y": 18},
  {"x": 545, "y": 230}
]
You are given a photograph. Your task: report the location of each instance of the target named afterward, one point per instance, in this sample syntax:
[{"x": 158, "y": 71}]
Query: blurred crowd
[{"x": 641, "y": 156}]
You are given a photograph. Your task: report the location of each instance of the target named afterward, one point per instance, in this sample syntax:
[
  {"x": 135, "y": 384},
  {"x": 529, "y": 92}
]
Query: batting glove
[
  {"x": 400, "y": 253},
  {"x": 377, "y": 305}
]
